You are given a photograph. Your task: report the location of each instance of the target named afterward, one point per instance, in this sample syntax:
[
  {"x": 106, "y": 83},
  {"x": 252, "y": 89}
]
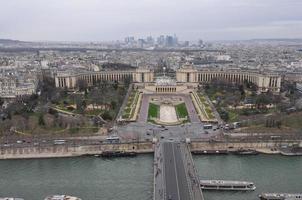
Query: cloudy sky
[{"x": 105, "y": 20}]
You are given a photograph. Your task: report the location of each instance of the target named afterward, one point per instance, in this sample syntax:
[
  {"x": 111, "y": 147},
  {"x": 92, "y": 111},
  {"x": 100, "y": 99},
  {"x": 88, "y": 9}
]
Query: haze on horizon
[{"x": 103, "y": 20}]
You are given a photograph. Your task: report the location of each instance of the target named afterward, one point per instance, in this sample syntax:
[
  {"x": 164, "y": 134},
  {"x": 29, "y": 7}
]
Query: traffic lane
[
  {"x": 181, "y": 173},
  {"x": 143, "y": 114},
  {"x": 191, "y": 109},
  {"x": 47, "y": 143},
  {"x": 170, "y": 174}
]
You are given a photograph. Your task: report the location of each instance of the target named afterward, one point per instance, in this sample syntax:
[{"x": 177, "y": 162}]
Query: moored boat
[
  {"x": 280, "y": 196},
  {"x": 61, "y": 197},
  {"x": 246, "y": 152},
  {"x": 227, "y": 185},
  {"x": 109, "y": 154},
  {"x": 200, "y": 152},
  {"x": 291, "y": 151}
]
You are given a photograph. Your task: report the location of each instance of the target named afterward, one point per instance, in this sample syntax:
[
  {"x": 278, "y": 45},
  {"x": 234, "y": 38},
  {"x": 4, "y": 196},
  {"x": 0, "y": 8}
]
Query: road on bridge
[{"x": 176, "y": 183}]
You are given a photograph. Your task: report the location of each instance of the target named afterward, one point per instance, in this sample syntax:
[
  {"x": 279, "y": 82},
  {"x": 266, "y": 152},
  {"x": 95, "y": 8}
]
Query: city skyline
[
  {"x": 150, "y": 99},
  {"x": 93, "y": 20}
]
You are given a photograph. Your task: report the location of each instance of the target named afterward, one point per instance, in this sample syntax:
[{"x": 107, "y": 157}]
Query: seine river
[{"x": 93, "y": 178}]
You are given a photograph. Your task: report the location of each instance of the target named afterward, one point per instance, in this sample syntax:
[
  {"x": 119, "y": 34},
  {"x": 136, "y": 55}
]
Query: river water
[{"x": 132, "y": 178}]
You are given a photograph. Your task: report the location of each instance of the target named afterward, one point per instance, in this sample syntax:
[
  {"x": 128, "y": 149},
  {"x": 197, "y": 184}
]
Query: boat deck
[
  {"x": 280, "y": 196},
  {"x": 226, "y": 185}
]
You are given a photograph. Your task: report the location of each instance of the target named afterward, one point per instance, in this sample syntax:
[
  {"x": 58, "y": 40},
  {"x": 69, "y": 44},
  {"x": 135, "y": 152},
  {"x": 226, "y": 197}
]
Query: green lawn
[
  {"x": 233, "y": 116},
  {"x": 94, "y": 112},
  {"x": 153, "y": 111},
  {"x": 292, "y": 121},
  {"x": 181, "y": 110}
]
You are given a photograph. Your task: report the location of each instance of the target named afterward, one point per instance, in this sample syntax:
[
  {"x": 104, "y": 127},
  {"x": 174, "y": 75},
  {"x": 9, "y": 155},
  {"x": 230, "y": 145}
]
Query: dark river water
[{"x": 93, "y": 178}]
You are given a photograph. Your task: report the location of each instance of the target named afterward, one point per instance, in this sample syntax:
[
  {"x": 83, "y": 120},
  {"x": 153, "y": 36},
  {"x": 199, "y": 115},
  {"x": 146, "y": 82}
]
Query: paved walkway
[
  {"x": 191, "y": 109},
  {"x": 167, "y": 114},
  {"x": 143, "y": 114}
]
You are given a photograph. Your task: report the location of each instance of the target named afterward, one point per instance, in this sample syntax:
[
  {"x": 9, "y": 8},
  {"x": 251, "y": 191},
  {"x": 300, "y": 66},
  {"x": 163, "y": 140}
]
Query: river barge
[
  {"x": 280, "y": 196},
  {"x": 61, "y": 197},
  {"x": 227, "y": 185},
  {"x": 291, "y": 151},
  {"x": 201, "y": 152},
  {"x": 246, "y": 152},
  {"x": 109, "y": 154}
]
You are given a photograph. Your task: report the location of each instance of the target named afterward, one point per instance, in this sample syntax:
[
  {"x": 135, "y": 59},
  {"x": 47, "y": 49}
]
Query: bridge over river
[{"x": 175, "y": 177}]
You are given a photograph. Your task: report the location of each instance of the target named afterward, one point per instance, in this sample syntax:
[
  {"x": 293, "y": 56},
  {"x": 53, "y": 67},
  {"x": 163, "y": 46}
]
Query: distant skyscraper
[
  {"x": 161, "y": 40},
  {"x": 175, "y": 40},
  {"x": 129, "y": 40},
  {"x": 141, "y": 43},
  {"x": 200, "y": 42},
  {"x": 169, "y": 42},
  {"x": 150, "y": 40},
  {"x": 186, "y": 43}
]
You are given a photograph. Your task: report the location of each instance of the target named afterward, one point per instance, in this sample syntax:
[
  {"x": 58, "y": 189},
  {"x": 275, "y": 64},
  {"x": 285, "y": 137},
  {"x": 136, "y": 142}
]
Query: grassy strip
[
  {"x": 153, "y": 111},
  {"x": 181, "y": 110}
]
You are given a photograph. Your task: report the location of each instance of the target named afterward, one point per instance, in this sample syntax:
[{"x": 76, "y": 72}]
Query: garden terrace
[
  {"x": 203, "y": 107},
  {"x": 131, "y": 109}
]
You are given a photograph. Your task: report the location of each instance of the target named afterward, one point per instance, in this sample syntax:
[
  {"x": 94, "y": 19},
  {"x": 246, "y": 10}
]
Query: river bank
[{"x": 57, "y": 151}]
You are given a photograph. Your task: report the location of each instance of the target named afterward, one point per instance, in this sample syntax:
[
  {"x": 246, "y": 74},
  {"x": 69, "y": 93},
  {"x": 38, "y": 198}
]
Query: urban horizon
[
  {"x": 156, "y": 36},
  {"x": 191, "y": 20},
  {"x": 150, "y": 99}
]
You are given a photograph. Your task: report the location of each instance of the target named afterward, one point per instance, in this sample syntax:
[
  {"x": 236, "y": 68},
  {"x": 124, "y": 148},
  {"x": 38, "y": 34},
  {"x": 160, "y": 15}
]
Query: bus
[
  {"x": 59, "y": 141},
  {"x": 112, "y": 139},
  {"x": 207, "y": 126},
  {"x": 275, "y": 137}
]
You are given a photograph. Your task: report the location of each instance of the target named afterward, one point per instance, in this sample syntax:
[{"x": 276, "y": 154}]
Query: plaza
[{"x": 173, "y": 102}]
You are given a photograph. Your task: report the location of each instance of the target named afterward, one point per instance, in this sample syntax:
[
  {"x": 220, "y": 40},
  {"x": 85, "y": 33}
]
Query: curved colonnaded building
[{"x": 186, "y": 77}]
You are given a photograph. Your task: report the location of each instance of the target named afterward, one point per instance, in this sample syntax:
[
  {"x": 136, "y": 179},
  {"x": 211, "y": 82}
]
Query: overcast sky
[{"x": 105, "y": 20}]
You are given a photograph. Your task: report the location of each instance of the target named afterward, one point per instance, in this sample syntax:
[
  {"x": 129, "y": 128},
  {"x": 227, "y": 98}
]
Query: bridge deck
[{"x": 175, "y": 177}]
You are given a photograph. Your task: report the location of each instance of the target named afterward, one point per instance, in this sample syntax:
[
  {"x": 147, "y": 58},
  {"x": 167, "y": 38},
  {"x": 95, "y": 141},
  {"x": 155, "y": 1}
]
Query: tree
[
  {"x": 224, "y": 115},
  {"x": 82, "y": 85},
  {"x": 80, "y": 104},
  {"x": 127, "y": 81},
  {"x": 106, "y": 115},
  {"x": 52, "y": 111},
  {"x": 262, "y": 100},
  {"x": 242, "y": 92},
  {"x": 84, "y": 104},
  {"x": 207, "y": 86},
  {"x": 96, "y": 95},
  {"x": 115, "y": 85},
  {"x": 250, "y": 85},
  {"x": 1, "y": 102},
  {"x": 9, "y": 115},
  {"x": 41, "y": 121},
  {"x": 278, "y": 124},
  {"x": 113, "y": 104}
]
